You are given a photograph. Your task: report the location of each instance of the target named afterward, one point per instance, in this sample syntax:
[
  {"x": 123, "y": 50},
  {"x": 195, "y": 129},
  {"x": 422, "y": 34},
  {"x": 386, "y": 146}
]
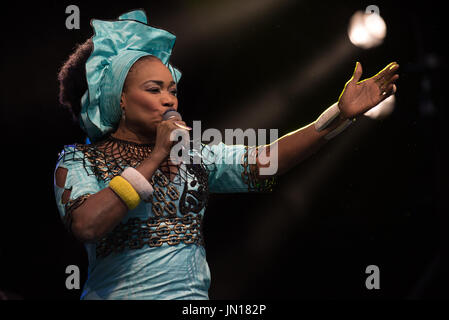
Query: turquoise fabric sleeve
[
  {"x": 79, "y": 180},
  {"x": 225, "y": 164}
]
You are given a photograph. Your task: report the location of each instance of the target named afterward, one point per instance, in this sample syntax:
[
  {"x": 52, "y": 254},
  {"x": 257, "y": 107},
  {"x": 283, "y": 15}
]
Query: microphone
[{"x": 171, "y": 114}]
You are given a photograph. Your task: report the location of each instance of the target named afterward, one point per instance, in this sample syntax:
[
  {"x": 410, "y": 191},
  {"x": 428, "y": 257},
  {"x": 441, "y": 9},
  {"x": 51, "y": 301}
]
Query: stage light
[
  {"x": 367, "y": 29},
  {"x": 383, "y": 109}
]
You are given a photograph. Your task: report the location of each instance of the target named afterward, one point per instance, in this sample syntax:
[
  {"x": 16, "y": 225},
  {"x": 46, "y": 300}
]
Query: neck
[{"x": 124, "y": 133}]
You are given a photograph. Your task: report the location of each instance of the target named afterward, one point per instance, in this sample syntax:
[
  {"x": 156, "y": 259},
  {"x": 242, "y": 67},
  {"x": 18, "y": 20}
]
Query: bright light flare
[
  {"x": 367, "y": 30},
  {"x": 383, "y": 109}
]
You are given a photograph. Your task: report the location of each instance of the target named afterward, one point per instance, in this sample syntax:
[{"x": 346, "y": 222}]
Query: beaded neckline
[{"x": 130, "y": 143}]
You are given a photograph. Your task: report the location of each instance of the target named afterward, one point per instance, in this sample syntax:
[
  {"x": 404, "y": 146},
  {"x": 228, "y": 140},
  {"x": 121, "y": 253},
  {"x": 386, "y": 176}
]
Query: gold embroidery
[
  {"x": 110, "y": 157},
  {"x": 154, "y": 232},
  {"x": 250, "y": 174}
]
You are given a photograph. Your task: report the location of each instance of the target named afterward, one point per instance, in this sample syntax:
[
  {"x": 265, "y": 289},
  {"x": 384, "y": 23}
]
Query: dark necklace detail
[{"x": 108, "y": 158}]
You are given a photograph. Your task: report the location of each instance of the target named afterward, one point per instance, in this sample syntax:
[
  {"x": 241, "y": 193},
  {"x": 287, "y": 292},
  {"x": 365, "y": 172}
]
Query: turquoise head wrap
[{"x": 117, "y": 45}]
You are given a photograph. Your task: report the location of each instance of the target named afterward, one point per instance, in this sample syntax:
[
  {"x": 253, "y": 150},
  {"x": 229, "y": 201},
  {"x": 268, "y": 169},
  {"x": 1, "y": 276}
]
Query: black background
[{"x": 376, "y": 195}]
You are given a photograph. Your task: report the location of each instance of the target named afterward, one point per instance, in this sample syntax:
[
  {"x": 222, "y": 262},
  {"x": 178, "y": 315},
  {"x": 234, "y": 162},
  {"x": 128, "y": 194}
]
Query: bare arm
[
  {"x": 357, "y": 98},
  {"x": 296, "y": 146},
  {"x": 102, "y": 211}
]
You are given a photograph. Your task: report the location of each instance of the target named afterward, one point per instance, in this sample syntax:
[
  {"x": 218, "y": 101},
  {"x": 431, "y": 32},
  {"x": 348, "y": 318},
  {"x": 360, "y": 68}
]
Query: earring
[{"x": 123, "y": 114}]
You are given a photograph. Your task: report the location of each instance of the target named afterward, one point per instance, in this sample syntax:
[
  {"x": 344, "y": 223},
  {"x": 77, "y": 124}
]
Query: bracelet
[
  {"x": 125, "y": 191},
  {"x": 338, "y": 130},
  {"x": 139, "y": 183},
  {"x": 327, "y": 117}
]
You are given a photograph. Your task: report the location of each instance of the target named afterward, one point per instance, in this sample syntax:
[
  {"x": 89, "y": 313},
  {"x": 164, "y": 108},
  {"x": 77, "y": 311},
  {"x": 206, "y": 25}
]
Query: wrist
[
  {"x": 151, "y": 164},
  {"x": 332, "y": 122},
  {"x": 343, "y": 115},
  {"x": 158, "y": 155},
  {"x": 328, "y": 118}
]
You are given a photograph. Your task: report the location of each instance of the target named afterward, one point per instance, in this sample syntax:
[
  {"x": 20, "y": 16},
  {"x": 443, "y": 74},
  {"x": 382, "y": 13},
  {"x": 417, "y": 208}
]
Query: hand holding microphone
[
  {"x": 177, "y": 119},
  {"x": 172, "y": 114},
  {"x": 170, "y": 127}
]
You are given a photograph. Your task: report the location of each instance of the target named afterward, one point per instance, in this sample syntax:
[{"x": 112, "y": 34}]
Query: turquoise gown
[{"x": 169, "y": 261}]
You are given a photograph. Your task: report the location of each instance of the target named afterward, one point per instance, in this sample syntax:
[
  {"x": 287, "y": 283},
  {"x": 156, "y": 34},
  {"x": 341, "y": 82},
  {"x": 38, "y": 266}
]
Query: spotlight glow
[
  {"x": 367, "y": 30},
  {"x": 383, "y": 109}
]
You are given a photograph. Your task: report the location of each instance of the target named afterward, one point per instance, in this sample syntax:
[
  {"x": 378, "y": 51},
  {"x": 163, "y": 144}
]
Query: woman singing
[{"x": 139, "y": 212}]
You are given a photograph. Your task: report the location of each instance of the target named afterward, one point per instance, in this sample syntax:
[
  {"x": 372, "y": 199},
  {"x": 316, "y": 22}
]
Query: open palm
[{"x": 360, "y": 96}]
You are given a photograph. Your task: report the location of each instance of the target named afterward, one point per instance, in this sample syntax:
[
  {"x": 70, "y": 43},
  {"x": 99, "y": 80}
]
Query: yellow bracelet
[{"x": 125, "y": 191}]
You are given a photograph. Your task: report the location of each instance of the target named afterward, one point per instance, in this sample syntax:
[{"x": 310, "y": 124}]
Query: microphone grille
[{"x": 170, "y": 114}]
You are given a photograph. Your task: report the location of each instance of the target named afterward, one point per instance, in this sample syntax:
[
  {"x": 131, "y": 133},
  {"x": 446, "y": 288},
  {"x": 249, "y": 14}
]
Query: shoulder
[
  {"x": 76, "y": 160},
  {"x": 76, "y": 155},
  {"x": 71, "y": 152}
]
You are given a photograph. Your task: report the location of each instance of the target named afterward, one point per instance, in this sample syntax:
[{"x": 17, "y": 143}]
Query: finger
[
  {"x": 384, "y": 84},
  {"x": 391, "y": 64},
  {"x": 391, "y": 89},
  {"x": 389, "y": 70},
  {"x": 184, "y": 135},
  {"x": 383, "y": 74},
  {"x": 391, "y": 80},
  {"x": 181, "y": 122},
  {"x": 357, "y": 72},
  {"x": 174, "y": 119},
  {"x": 392, "y": 70},
  {"x": 182, "y": 125},
  {"x": 394, "y": 65},
  {"x": 386, "y": 78}
]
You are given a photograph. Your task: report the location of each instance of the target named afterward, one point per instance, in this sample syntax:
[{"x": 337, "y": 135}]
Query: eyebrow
[{"x": 159, "y": 82}]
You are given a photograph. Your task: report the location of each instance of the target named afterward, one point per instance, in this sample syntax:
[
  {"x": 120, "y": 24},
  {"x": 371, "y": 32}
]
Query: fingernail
[
  {"x": 394, "y": 66},
  {"x": 183, "y": 126}
]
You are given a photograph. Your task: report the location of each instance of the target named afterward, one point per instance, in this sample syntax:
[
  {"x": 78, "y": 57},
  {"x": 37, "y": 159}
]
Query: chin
[{"x": 151, "y": 129}]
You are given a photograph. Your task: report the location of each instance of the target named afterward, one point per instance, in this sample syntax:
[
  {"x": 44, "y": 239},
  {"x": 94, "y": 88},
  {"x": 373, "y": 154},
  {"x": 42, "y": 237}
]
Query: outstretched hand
[{"x": 360, "y": 96}]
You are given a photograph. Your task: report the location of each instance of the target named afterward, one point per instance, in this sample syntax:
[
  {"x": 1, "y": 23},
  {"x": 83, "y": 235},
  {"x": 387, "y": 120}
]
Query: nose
[{"x": 168, "y": 100}]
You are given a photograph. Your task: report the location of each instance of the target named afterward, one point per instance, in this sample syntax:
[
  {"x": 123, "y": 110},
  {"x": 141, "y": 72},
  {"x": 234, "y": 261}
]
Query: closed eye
[{"x": 157, "y": 90}]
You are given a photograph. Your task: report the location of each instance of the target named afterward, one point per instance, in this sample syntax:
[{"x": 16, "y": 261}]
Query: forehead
[{"x": 149, "y": 69}]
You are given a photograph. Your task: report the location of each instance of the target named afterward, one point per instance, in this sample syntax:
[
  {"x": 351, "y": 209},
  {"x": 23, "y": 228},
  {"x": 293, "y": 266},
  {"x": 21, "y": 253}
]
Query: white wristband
[
  {"x": 139, "y": 183},
  {"x": 338, "y": 130},
  {"x": 327, "y": 117}
]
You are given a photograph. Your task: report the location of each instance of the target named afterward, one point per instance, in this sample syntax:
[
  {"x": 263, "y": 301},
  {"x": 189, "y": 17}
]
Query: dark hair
[{"x": 72, "y": 78}]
